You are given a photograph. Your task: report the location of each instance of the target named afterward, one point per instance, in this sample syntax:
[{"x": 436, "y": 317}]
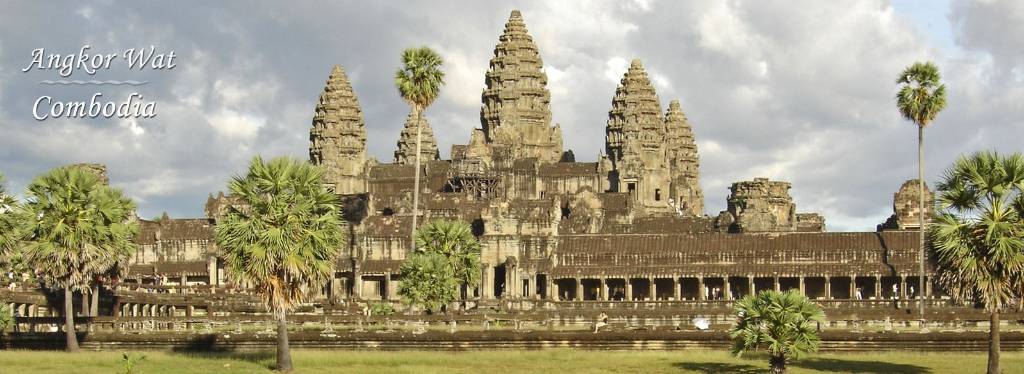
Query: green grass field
[{"x": 500, "y": 362}]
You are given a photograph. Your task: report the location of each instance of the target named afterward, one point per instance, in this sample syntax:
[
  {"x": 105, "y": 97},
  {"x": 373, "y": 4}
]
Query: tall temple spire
[
  {"x": 337, "y": 140},
  {"x": 635, "y": 127},
  {"x": 684, "y": 163},
  {"x": 635, "y": 141},
  {"x": 406, "y": 153},
  {"x": 516, "y": 108}
]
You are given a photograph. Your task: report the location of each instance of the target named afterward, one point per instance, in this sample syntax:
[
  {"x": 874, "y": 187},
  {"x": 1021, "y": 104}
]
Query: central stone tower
[{"x": 516, "y": 111}]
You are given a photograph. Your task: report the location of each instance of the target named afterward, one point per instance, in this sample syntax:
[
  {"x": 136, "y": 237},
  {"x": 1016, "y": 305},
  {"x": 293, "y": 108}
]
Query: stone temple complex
[{"x": 630, "y": 226}]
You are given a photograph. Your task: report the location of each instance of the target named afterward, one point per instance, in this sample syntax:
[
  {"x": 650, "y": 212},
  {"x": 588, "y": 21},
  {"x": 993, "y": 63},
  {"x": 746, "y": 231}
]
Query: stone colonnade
[{"x": 719, "y": 287}]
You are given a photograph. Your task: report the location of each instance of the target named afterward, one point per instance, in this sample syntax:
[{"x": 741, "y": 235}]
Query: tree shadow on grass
[
  {"x": 206, "y": 347},
  {"x": 858, "y": 366},
  {"x": 719, "y": 367}
]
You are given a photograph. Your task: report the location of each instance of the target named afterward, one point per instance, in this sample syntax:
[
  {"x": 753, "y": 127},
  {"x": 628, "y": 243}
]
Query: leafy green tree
[
  {"x": 920, "y": 99},
  {"x": 419, "y": 82},
  {"x": 283, "y": 238},
  {"x": 783, "y": 323},
  {"x": 978, "y": 239},
  {"x": 428, "y": 281},
  {"x": 76, "y": 228}
]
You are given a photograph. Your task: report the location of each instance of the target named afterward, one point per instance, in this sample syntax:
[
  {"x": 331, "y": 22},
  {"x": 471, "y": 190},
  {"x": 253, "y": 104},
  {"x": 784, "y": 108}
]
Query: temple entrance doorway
[{"x": 499, "y": 281}]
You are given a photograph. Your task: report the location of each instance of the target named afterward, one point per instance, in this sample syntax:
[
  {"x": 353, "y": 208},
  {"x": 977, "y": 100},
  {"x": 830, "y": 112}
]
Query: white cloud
[{"x": 231, "y": 123}]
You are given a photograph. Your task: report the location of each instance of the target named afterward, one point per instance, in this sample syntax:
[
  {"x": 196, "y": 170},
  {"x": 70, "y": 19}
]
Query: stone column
[
  {"x": 550, "y": 288},
  {"x": 211, "y": 270},
  {"x": 677, "y": 288},
  {"x": 750, "y": 285},
  {"x": 727, "y": 288},
  {"x": 853, "y": 287},
  {"x": 803, "y": 288},
  {"x": 579, "y": 289},
  {"x": 335, "y": 288},
  {"x": 604, "y": 289},
  {"x": 487, "y": 282},
  {"x": 928, "y": 287},
  {"x": 653, "y": 289},
  {"x": 557, "y": 292},
  {"x": 531, "y": 284},
  {"x": 775, "y": 280},
  {"x": 903, "y": 287},
  {"x": 387, "y": 287},
  {"x": 701, "y": 292},
  {"x": 828, "y": 288},
  {"x": 359, "y": 286},
  {"x": 629, "y": 289},
  {"x": 878, "y": 287}
]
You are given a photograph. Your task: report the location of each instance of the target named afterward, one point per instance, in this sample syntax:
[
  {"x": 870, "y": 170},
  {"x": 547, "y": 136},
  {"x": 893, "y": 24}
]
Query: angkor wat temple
[{"x": 630, "y": 226}]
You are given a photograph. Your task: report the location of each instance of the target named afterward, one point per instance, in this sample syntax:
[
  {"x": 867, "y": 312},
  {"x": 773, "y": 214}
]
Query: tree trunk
[
  {"x": 69, "y": 321},
  {"x": 416, "y": 181},
  {"x": 284, "y": 354},
  {"x": 921, "y": 220},
  {"x": 993, "y": 343},
  {"x": 94, "y": 306},
  {"x": 778, "y": 364}
]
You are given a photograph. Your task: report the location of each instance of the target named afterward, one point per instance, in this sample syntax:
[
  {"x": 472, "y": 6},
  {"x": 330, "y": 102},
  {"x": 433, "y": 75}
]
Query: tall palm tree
[
  {"x": 76, "y": 227},
  {"x": 455, "y": 241},
  {"x": 419, "y": 82},
  {"x": 783, "y": 323},
  {"x": 978, "y": 239},
  {"x": 283, "y": 237},
  {"x": 920, "y": 99}
]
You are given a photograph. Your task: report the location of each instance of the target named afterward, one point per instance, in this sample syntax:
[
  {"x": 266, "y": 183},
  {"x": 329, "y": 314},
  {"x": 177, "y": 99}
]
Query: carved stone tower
[
  {"x": 761, "y": 205},
  {"x": 683, "y": 162},
  {"x": 516, "y": 111},
  {"x": 337, "y": 140},
  {"x": 905, "y": 207},
  {"x": 406, "y": 153},
  {"x": 635, "y": 141}
]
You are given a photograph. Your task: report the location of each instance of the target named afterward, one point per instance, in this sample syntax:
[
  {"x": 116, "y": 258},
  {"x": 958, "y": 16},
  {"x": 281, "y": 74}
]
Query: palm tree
[
  {"x": 920, "y": 99},
  {"x": 978, "y": 240},
  {"x": 283, "y": 237},
  {"x": 10, "y": 230},
  {"x": 783, "y": 323},
  {"x": 419, "y": 82},
  {"x": 76, "y": 227},
  {"x": 455, "y": 241}
]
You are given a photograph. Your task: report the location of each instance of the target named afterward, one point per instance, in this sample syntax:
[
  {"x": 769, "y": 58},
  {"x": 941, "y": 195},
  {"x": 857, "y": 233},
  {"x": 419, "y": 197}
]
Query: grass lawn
[{"x": 500, "y": 362}]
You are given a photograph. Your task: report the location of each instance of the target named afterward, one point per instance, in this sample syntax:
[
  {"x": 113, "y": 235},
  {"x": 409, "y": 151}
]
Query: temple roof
[
  {"x": 837, "y": 254},
  {"x": 174, "y": 229}
]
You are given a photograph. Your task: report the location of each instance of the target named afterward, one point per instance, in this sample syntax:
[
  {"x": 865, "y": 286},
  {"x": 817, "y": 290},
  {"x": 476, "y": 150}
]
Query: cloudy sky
[{"x": 792, "y": 90}]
